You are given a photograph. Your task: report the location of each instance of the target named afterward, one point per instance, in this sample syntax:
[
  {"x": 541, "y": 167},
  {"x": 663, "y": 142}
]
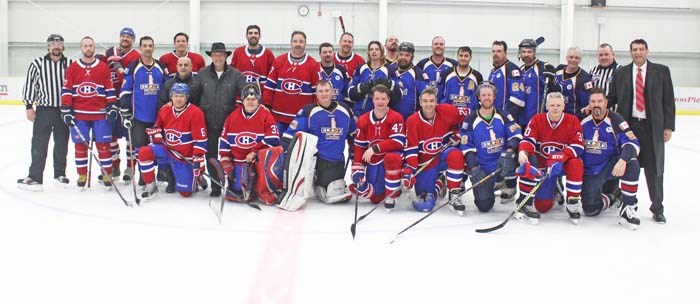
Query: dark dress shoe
[{"x": 659, "y": 218}]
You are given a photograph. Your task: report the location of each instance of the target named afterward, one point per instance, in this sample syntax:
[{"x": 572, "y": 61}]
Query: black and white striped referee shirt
[
  {"x": 602, "y": 76},
  {"x": 44, "y": 80}
]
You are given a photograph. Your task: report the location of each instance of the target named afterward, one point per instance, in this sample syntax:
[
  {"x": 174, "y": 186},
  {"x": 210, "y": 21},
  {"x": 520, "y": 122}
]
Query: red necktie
[{"x": 639, "y": 91}]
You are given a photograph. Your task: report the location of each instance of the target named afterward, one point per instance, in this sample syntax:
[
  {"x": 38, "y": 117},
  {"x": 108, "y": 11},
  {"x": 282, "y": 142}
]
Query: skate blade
[
  {"x": 575, "y": 221},
  {"x": 628, "y": 225},
  {"x": 455, "y": 211},
  {"x": 521, "y": 217},
  {"x": 148, "y": 198}
]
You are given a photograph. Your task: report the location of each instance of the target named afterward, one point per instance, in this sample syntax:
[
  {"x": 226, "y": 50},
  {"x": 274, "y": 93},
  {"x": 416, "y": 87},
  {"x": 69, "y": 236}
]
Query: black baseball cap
[{"x": 55, "y": 37}]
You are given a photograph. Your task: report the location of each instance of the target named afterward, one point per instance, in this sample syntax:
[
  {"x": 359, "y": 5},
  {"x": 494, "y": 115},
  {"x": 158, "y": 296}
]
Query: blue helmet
[
  {"x": 180, "y": 88},
  {"x": 425, "y": 202}
]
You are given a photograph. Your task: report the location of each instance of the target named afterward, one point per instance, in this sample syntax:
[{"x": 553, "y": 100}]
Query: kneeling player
[
  {"x": 247, "y": 147},
  {"x": 333, "y": 124},
  {"x": 552, "y": 140},
  {"x": 178, "y": 140},
  {"x": 490, "y": 139},
  {"x": 376, "y": 168},
  {"x": 610, "y": 154},
  {"x": 431, "y": 135}
]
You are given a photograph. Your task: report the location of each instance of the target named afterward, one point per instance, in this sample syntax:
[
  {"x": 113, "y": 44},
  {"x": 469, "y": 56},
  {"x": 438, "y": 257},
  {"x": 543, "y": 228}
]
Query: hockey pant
[
  {"x": 385, "y": 177},
  {"x": 102, "y": 133},
  {"x": 593, "y": 191},
  {"x": 544, "y": 198},
  {"x": 157, "y": 154},
  {"x": 451, "y": 163}
]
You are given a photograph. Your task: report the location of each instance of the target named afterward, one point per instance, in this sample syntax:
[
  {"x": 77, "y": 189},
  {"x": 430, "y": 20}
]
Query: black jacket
[
  {"x": 218, "y": 98},
  {"x": 195, "y": 89}
]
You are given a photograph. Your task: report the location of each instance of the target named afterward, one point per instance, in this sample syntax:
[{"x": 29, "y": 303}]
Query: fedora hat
[{"x": 218, "y": 47}]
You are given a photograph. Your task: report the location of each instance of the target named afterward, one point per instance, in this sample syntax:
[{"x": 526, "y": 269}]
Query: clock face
[{"x": 303, "y": 10}]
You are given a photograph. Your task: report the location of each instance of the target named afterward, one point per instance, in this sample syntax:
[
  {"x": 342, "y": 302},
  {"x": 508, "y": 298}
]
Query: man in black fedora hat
[{"x": 220, "y": 84}]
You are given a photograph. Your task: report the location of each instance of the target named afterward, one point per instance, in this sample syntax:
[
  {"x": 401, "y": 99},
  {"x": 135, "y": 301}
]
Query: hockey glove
[
  {"x": 116, "y": 66},
  {"x": 550, "y": 73},
  {"x": 477, "y": 174},
  {"x": 358, "y": 175},
  {"x": 555, "y": 164},
  {"x": 112, "y": 112},
  {"x": 126, "y": 118},
  {"x": 366, "y": 87},
  {"x": 198, "y": 165},
  {"x": 385, "y": 82},
  {"x": 408, "y": 180},
  {"x": 507, "y": 163},
  {"x": 155, "y": 134},
  {"x": 527, "y": 171},
  {"x": 68, "y": 115},
  {"x": 227, "y": 165}
]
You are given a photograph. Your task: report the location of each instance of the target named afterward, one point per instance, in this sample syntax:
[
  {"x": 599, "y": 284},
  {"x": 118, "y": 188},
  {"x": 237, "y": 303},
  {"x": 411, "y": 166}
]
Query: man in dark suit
[{"x": 643, "y": 92}]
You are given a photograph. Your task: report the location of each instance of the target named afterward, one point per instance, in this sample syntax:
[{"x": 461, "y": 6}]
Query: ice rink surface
[{"x": 67, "y": 246}]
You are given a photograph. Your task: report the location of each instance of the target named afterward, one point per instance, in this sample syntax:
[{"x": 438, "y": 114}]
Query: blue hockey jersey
[
  {"x": 460, "y": 91},
  {"x": 482, "y": 140},
  {"x": 332, "y": 125},
  {"x": 411, "y": 82},
  {"x": 434, "y": 70},
  {"x": 604, "y": 140},
  {"x": 338, "y": 77},
  {"x": 141, "y": 88},
  {"x": 363, "y": 74},
  {"x": 508, "y": 82},
  {"x": 533, "y": 93},
  {"x": 575, "y": 89}
]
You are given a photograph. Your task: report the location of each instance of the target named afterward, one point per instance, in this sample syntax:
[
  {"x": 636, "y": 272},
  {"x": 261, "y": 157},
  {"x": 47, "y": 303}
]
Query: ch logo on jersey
[
  {"x": 173, "y": 137},
  {"x": 250, "y": 77},
  {"x": 291, "y": 86},
  {"x": 87, "y": 90},
  {"x": 549, "y": 148},
  {"x": 433, "y": 145},
  {"x": 246, "y": 140}
]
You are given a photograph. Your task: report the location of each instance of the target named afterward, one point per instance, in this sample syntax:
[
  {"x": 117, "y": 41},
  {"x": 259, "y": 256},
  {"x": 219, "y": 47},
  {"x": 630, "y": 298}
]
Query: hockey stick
[
  {"x": 483, "y": 180},
  {"x": 218, "y": 208},
  {"x": 104, "y": 173},
  {"x": 353, "y": 226},
  {"x": 89, "y": 175},
  {"x": 133, "y": 165},
  {"x": 342, "y": 24},
  {"x": 517, "y": 208},
  {"x": 213, "y": 181}
]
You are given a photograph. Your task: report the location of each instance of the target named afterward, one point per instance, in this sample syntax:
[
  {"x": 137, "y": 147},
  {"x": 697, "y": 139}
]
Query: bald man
[{"x": 184, "y": 75}]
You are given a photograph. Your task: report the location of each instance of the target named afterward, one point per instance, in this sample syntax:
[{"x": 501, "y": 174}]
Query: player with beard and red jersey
[
  {"x": 379, "y": 141},
  {"x": 428, "y": 131},
  {"x": 552, "y": 140},
  {"x": 345, "y": 55},
  {"x": 253, "y": 60}
]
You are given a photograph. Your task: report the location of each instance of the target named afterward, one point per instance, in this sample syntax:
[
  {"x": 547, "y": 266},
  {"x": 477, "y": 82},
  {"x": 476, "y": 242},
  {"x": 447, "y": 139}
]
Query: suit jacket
[{"x": 659, "y": 100}]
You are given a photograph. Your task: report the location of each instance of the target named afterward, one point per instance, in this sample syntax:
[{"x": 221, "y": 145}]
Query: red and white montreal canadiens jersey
[
  {"x": 290, "y": 86},
  {"x": 253, "y": 67},
  {"x": 88, "y": 88},
  {"x": 546, "y": 137},
  {"x": 169, "y": 60},
  {"x": 425, "y": 138},
  {"x": 243, "y": 134},
  {"x": 386, "y": 133},
  {"x": 350, "y": 64},
  {"x": 185, "y": 132}
]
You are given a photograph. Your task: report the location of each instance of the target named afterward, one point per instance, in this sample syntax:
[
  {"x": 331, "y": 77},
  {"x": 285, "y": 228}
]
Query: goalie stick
[
  {"x": 517, "y": 208},
  {"x": 483, "y": 180},
  {"x": 218, "y": 207}
]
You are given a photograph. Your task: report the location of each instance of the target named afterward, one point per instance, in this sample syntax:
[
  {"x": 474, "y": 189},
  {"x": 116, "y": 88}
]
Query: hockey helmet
[
  {"x": 527, "y": 44},
  {"x": 251, "y": 89},
  {"x": 407, "y": 47},
  {"x": 180, "y": 88},
  {"x": 425, "y": 202}
]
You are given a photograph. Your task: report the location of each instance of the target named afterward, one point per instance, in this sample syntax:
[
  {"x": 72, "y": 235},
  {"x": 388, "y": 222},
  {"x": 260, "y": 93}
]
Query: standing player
[
  {"x": 458, "y": 85},
  {"x": 536, "y": 74},
  {"x": 118, "y": 58},
  {"x": 575, "y": 83},
  {"x": 253, "y": 60},
  {"x": 334, "y": 125},
  {"x": 169, "y": 60},
  {"x": 345, "y": 55},
  {"x": 366, "y": 76},
  {"x": 247, "y": 131},
  {"x": 139, "y": 97},
  {"x": 180, "y": 127},
  {"x": 435, "y": 64},
  {"x": 410, "y": 79},
  {"x": 291, "y": 82},
  {"x": 380, "y": 138},
  {"x": 489, "y": 140},
  {"x": 428, "y": 131},
  {"x": 610, "y": 154},
  {"x": 86, "y": 96},
  {"x": 391, "y": 45},
  {"x": 554, "y": 141},
  {"x": 505, "y": 75},
  {"x": 333, "y": 73}
]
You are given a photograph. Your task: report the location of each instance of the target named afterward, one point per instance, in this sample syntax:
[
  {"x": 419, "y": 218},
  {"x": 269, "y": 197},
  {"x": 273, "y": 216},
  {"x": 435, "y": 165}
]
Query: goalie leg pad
[
  {"x": 299, "y": 167},
  {"x": 269, "y": 174},
  {"x": 336, "y": 192}
]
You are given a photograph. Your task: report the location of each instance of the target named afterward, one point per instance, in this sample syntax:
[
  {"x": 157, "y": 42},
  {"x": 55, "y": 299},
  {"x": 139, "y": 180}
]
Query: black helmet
[
  {"x": 251, "y": 89},
  {"x": 407, "y": 47},
  {"x": 527, "y": 44}
]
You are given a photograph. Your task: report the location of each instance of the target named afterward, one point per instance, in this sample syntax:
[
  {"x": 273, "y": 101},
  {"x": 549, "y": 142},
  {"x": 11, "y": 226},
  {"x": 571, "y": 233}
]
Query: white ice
[{"x": 66, "y": 246}]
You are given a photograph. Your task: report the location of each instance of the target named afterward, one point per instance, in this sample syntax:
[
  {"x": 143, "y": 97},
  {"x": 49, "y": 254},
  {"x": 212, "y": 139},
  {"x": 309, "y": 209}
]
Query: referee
[
  {"x": 602, "y": 73},
  {"x": 42, "y": 89}
]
